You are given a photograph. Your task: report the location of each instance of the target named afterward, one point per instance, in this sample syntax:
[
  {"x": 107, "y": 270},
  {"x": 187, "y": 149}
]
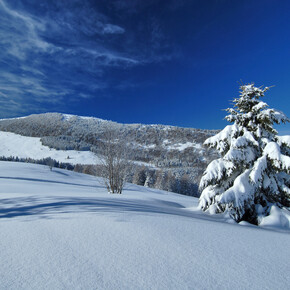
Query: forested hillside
[{"x": 166, "y": 157}]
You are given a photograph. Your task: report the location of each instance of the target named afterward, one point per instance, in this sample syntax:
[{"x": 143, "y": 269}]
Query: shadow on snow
[
  {"x": 46, "y": 181},
  {"x": 50, "y": 207}
]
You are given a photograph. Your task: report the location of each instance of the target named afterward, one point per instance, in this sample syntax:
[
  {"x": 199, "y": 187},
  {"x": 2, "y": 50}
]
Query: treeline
[
  {"x": 178, "y": 182},
  {"x": 45, "y": 161},
  {"x": 165, "y": 180},
  {"x": 149, "y": 177}
]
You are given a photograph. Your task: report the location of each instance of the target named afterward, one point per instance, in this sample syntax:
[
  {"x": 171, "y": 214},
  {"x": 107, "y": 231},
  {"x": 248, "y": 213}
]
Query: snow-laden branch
[{"x": 253, "y": 172}]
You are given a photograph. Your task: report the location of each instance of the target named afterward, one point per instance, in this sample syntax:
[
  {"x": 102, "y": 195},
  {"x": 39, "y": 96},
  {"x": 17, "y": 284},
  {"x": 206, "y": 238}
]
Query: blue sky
[{"x": 168, "y": 62}]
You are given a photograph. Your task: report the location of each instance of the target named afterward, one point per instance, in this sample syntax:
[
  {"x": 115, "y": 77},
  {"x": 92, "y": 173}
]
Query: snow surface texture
[
  {"x": 31, "y": 147},
  {"x": 62, "y": 230}
]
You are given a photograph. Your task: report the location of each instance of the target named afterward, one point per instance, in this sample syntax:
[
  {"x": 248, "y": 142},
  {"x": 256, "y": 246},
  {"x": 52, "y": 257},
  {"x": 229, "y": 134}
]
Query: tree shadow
[
  {"x": 55, "y": 206},
  {"x": 48, "y": 181},
  {"x": 33, "y": 206}
]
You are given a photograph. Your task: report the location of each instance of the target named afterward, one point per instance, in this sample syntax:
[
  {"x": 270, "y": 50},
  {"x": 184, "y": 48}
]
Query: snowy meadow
[{"x": 62, "y": 230}]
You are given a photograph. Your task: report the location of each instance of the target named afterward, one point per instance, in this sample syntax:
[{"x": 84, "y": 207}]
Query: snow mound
[{"x": 278, "y": 218}]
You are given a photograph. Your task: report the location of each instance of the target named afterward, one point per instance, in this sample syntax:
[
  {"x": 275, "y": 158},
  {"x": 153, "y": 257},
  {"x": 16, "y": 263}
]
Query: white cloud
[
  {"x": 113, "y": 29},
  {"x": 22, "y": 33},
  {"x": 50, "y": 56},
  {"x": 19, "y": 33},
  {"x": 29, "y": 50}
]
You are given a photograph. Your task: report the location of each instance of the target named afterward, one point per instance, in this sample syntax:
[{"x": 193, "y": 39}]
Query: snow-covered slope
[
  {"x": 31, "y": 147},
  {"x": 174, "y": 150},
  {"x": 61, "y": 230}
]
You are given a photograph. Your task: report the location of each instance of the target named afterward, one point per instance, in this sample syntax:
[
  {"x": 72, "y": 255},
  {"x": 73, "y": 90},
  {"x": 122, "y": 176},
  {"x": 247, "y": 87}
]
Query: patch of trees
[
  {"x": 150, "y": 177},
  {"x": 45, "y": 161},
  {"x": 174, "y": 181}
]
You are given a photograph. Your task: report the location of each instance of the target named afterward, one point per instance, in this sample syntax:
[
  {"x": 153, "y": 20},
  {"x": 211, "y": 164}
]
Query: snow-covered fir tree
[{"x": 252, "y": 173}]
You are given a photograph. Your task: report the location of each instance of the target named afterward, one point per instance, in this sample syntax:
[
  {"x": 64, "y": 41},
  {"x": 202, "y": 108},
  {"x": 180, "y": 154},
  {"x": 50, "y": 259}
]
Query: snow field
[
  {"x": 62, "y": 230},
  {"x": 31, "y": 147}
]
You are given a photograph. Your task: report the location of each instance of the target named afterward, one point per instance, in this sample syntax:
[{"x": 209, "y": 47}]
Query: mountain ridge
[
  {"x": 67, "y": 116},
  {"x": 173, "y": 150}
]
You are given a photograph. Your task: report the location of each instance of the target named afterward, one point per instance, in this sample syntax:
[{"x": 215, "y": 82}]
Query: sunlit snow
[
  {"x": 31, "y": 147},
  {"x": 62, "y": 230}
]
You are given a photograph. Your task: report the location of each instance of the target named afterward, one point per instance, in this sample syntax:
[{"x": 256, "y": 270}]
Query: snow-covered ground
[
  {"x": 62, "y": 230},
  {"x": 31, "y": 147}
]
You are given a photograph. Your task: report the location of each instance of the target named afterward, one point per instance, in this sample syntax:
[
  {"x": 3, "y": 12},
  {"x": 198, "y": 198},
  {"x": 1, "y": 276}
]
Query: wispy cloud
[
  {"x": 19, "y": 33},
  {"x": 113, "y": 29},
  {"x": 56, "y": 51}
]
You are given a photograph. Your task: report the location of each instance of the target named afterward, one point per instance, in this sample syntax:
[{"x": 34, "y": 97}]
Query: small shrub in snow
[{"x": 253, "y": 171}]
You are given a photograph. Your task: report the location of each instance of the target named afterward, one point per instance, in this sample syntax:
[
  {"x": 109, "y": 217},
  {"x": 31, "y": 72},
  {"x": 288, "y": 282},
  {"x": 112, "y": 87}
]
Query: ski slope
[{"x": 62, "y": 230}]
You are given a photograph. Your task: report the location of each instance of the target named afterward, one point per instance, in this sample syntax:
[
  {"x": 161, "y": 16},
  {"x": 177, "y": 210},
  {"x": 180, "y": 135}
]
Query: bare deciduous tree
[{"x": 115, "y": 161}]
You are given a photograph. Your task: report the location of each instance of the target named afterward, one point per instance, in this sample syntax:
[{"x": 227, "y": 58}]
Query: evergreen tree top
[{"x": 253, "y": 114}]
